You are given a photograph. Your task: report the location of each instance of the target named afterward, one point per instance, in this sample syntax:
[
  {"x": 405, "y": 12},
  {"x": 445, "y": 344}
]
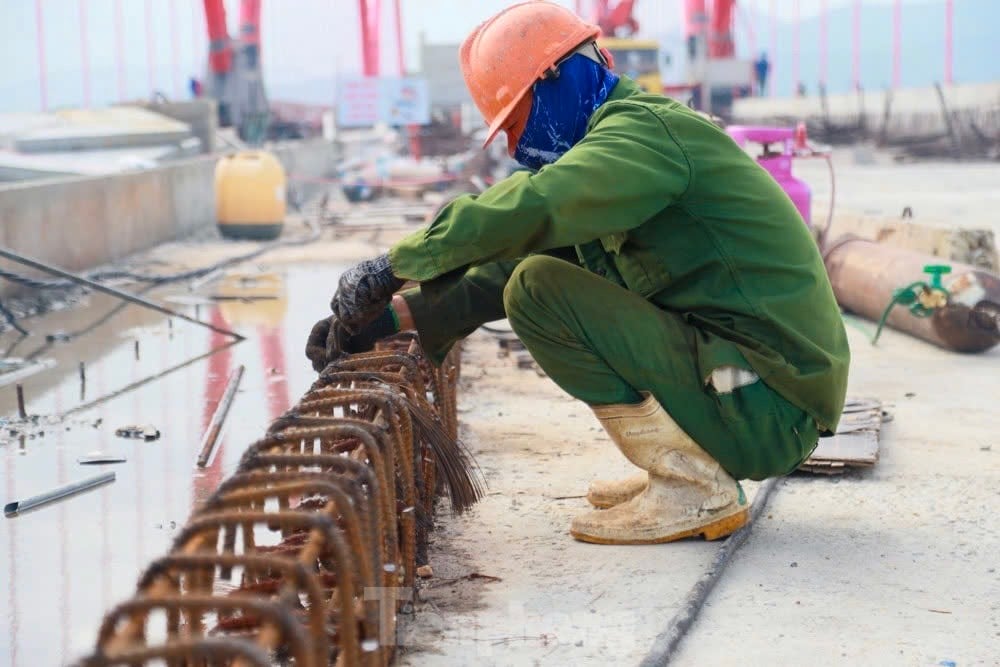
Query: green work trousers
[{"x": 604, "y": 344}]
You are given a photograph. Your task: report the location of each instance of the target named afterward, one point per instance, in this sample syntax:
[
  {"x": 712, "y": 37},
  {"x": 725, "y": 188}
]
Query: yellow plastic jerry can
[{"x": 250, "y": 195}]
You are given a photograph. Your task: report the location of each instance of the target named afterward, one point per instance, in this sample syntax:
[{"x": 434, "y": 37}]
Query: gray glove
[
  {"x": 327, "y": 342},
  {"x": 363, "y": 293}
]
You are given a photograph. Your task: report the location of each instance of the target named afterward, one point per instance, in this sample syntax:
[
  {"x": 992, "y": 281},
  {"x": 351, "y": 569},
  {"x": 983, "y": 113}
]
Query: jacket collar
[{"x": 626, "y": 87}]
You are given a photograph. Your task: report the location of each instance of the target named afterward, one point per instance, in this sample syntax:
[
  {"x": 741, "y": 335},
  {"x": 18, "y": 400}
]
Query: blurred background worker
[
  {"x": 761, "y": 67},
  {"x": 650, "y": 266}
]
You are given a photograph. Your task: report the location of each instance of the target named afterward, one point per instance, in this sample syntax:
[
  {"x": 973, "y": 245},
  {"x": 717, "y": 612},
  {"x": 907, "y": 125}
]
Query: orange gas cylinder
[{"x": 250, "y": 195}]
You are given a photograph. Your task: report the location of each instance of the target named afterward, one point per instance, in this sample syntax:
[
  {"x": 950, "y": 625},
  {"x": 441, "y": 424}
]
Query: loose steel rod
[
  {"x": 120, "y": 294},
  {"x": 83, "y": 407},
  {"x": 21, "y": 412},
  {"x": 18, "y": 506},
  {"x": 221, "y": 410}
]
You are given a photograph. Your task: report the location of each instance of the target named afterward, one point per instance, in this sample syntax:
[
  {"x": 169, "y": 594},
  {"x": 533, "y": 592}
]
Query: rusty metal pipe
[{"x": 865, "y": 275}]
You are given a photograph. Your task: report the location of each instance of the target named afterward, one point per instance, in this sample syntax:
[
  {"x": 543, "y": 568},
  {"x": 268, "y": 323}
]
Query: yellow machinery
[
  {"x": 638, "y": 59},
  {"x": 250, "y": 196}
]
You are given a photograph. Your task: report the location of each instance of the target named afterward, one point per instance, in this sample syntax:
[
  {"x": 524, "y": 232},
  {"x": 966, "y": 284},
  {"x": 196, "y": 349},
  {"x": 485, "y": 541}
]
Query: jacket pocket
[{"x": 642, "y": 269}]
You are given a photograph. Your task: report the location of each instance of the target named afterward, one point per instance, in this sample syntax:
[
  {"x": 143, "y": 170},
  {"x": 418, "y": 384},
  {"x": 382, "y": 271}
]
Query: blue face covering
[{"x": 560, "y": 110}]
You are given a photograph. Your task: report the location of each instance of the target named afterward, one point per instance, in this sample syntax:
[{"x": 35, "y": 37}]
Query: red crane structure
[
  {"x": 709, "y": 32},
  {"x": 720, "y": 34},
  {"x": 715, "y": 75},
  {"x": 616, "y": 20},
  {"x": 235, "y": 77}
]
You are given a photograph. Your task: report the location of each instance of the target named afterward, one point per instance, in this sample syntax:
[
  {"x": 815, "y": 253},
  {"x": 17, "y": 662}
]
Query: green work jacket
[{"x": 659, "y": 200}]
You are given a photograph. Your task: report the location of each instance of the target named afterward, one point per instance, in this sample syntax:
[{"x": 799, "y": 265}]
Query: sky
[{"x": 159, "y": 44}]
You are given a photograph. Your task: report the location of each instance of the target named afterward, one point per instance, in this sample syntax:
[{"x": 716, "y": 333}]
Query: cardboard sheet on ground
[{"x": 855, "y": 443}]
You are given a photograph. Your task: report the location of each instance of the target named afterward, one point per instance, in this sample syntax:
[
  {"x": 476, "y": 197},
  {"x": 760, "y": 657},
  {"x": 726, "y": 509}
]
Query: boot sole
[{"x": 712, "y": 531}]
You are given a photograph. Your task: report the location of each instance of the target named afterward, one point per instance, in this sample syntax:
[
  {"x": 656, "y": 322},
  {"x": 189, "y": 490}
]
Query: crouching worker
[{"x": 652, "y": 268}]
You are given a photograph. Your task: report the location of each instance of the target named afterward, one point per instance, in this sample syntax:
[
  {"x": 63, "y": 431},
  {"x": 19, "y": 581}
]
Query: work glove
[
  {"x": 329, "y": 340},
  {"x": 363, "y": 293}
]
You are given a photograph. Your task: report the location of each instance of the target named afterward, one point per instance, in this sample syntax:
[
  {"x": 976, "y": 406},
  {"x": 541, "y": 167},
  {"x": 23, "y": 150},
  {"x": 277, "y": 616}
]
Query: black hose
[{"x": 665, "y": 645}]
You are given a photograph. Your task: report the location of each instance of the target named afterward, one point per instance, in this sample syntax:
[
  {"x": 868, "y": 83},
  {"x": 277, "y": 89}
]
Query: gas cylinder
[
  {"x": 779, "y": 149},
  {"x": 250, "y": 195}
]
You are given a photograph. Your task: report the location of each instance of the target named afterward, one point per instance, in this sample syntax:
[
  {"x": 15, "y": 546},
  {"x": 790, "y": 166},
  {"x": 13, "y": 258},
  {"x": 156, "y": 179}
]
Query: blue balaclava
[{"x": 560, "y": 110}]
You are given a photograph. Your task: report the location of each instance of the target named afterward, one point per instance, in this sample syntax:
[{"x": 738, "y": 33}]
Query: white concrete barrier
[{"x": 78, "y": 223}]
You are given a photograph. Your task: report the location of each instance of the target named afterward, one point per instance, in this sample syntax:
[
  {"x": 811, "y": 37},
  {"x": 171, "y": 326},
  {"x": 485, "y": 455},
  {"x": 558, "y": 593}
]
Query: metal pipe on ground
[
  {"x": 865, "y": 276},
  {"x": 121, "y": 294},
  {"x": 219, "y": 416}
]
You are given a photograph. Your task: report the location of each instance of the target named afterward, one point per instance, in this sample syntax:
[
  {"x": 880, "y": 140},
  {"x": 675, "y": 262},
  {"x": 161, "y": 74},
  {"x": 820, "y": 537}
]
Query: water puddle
[{"x": 67, "y": 563}]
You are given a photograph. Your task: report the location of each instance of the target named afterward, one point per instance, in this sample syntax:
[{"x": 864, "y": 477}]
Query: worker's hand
[
  {"x": 363, "y": 293},
  {"x": 329, "y": 340}
]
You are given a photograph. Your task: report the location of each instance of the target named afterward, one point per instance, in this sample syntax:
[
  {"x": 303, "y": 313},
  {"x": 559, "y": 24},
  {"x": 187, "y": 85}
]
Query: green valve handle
[{"x": 936, "y": 271}]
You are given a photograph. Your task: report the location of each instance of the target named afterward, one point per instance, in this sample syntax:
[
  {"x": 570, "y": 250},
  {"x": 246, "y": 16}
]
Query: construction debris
[
  {"x": 938, "y": 238},
  {"x": 99, "y": 458},
  {"x": 147, "y": 433},
  {"x": 856, "y": 443}
]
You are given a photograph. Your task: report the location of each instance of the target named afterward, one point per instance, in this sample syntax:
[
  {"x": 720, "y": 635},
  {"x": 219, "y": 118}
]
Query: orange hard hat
[{"x": 504, "y": 57}]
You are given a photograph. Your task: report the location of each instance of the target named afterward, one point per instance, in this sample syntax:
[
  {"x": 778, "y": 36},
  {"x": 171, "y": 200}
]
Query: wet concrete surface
[{"x": 67, "y": 563}]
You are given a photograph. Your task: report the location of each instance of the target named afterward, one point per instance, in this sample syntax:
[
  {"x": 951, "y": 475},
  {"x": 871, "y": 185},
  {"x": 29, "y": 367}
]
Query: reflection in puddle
[{"x": 66, "y": 564}]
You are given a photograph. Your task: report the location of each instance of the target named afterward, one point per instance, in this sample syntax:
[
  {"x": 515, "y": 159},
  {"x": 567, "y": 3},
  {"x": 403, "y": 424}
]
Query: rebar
[
  {"x": 324, "y": 521},
  {"x": 219, "y": 417}
]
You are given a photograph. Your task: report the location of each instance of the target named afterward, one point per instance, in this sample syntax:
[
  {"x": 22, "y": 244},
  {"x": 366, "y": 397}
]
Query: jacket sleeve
[
  {"x": 625, "y": 170},
  {"x": 449, "y": 308}
]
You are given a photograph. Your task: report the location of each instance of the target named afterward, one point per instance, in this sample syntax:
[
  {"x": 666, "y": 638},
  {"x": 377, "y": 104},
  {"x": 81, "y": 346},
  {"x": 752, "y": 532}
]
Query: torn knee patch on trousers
[{"x": 727, "y": 379}]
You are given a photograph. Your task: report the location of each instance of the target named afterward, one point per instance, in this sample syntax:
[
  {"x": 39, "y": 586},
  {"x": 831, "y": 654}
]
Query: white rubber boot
[
  {"x": 688, "y": 493},
  {"x": 605, "y": 493}
]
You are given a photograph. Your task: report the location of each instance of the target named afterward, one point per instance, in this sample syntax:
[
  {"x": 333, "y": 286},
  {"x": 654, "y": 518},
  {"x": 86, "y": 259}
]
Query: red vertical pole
[
  {"x": 84, "y": 53},
  {"x": 399, "y": 38},
  {"x": 376, "y": 33},
  {"x": 822, "y": 42},
  {"x": 120, "y": 49},
  {"x": 40, "y": 31},
  {"x": 949, "y": 17},
  {"x": 150, "y": 47},
  {"x": 368, "y": 65},
  {"x": 371, "y": 21},
  {"x": 175, "y": 49},
  {"x": 856, "y": 45},
  {"x": 795, "y": 48},
  {"x": 897, "y": 40}
]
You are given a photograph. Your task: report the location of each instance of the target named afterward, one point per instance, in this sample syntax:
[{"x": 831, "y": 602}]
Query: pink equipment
[{"x": 778, "y": 163}]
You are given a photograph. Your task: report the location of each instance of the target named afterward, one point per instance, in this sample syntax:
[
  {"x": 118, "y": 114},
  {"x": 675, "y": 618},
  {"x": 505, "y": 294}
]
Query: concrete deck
[{"x": 896, "y": 565}]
